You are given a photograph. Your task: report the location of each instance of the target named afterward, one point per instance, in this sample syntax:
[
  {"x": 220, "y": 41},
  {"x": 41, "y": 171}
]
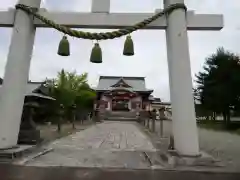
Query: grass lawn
[{"x": 50, "y": 133}]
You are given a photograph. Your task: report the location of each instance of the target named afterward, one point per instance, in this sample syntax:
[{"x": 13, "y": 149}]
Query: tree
[
  {"x": 218, "y": 86},
  {"x": 71, "y": 90}
]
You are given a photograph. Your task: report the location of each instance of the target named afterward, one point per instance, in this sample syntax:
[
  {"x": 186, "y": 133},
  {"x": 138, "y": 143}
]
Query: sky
[{"x": 150, "y": 59}]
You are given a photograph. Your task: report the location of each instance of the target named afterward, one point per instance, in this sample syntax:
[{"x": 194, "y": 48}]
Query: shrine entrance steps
[{"x": 120, "y": 116}]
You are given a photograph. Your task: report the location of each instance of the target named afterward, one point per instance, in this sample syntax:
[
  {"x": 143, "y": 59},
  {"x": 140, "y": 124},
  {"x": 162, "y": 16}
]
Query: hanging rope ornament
[
  {"x": 96, "y": 54},
  {"x": 64, "y": 47},
  {"x": 128, "y": 49}
]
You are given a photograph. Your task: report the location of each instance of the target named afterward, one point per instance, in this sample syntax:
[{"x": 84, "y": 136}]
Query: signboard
[{"x": 121, "y": 97}]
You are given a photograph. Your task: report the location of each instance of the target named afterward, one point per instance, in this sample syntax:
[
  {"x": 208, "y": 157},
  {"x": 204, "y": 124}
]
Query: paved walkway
[{"x": 109, "y": 144}]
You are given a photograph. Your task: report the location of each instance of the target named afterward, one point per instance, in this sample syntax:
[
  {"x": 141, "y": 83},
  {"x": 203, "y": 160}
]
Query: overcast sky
[{"x": 150, "y": 46}]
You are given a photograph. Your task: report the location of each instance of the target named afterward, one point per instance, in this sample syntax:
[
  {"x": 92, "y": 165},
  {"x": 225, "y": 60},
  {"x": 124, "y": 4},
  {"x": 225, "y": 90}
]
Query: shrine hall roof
[{"x": 136, "y": 83}]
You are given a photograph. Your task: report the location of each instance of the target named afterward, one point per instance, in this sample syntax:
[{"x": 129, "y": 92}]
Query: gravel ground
[{"x": 221, "y": 145}]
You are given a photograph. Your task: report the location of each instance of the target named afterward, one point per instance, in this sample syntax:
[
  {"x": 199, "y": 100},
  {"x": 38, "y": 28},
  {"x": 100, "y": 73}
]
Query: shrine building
[{"x": 116, "y": 93}]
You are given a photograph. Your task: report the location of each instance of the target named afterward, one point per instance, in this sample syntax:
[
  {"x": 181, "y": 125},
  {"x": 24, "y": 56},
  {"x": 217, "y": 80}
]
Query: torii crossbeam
[{"x": 176, "y": 25}]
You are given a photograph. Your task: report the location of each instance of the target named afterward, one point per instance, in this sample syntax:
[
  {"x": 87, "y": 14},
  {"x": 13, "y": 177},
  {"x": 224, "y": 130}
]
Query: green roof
[{"x": 137, "y": 84}]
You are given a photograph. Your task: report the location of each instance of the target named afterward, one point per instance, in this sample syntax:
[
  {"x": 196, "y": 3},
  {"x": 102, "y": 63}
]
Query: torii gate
[{"x": 176, "y": 25}]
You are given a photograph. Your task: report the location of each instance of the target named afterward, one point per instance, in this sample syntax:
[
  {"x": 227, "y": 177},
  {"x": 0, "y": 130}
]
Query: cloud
[{"x": 151, "y": 57}]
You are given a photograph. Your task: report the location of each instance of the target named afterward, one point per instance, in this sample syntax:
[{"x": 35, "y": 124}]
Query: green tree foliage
[
  {"x": 71, "y": 89},
  {"x": 218, "y": 87}
]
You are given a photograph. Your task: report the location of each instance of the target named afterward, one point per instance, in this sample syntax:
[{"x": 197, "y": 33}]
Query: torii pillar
[
  {"x": 183, "y": 113},
  {"x": 16, "y": 75}
]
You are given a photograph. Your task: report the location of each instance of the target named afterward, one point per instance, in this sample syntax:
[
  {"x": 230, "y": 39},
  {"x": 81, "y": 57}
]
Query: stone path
[{"x": 109, "y": 144}]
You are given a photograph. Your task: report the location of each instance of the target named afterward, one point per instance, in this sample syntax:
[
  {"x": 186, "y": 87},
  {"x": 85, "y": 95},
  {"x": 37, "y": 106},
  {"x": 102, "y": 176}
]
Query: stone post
[
  {"x": 60, "y": 118},
  {"x": 74, "y": 107},
  {"x": 161, "y": 115},
  {"x": 148, "y": 122},
  {"x": 153, "y": 120}
]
